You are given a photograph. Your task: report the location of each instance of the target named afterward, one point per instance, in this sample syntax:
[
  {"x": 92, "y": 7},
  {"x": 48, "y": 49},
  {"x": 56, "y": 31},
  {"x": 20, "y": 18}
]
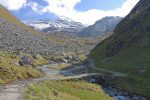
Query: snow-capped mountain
[
  {"x": 65, "y": 26},
  {"x": 103, "y": 26}
]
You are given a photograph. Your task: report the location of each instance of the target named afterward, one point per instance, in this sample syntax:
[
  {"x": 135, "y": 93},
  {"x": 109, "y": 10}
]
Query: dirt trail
[
  {"x": 114, "y": 73},
  {"x": 15, "y": 90}
]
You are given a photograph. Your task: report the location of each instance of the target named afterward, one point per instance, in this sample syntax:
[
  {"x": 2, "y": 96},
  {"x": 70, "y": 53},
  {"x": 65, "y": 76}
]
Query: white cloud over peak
[
  {"x": 13, "y": 4},
  {"x": 61, "y": 7},
  {"x": 66, "y": 8},
  {"x": 35, "y": 7}
]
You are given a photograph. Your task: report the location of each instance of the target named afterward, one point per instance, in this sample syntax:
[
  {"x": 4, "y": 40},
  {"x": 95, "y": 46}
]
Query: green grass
[
  {"x": 5, "y": 14},
  {"x": 82, "y": 58},
  {"x": 132, "y": 61},
  {"x": 65, "y": 90},
  {"x": 9, "y": 71},
  {"x": 133, "y": 84}
]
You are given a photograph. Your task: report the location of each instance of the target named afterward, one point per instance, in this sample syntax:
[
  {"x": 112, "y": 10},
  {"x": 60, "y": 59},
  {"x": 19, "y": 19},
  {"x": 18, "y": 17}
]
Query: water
[
  {"x": 49, "y": 71},
  {"x": 117, "y": 94},
  {"x": 120, "y": 95}
]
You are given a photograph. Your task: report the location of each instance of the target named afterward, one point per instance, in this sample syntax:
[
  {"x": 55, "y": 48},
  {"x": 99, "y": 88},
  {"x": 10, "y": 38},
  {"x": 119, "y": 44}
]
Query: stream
[
  {"x": 121, "y": 95},
  {"x": 117, "y": 94},
  {"x": 14, "y": 91}
]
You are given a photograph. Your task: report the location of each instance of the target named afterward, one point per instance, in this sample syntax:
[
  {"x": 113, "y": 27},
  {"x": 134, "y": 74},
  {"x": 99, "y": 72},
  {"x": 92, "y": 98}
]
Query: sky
[{"x": 84, "y": 11}]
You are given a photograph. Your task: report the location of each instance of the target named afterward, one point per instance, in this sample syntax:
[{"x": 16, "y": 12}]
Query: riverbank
[
  {"x": 121, "y": 81},
  {"x": 15, "y": 91},
  {"x": 65, "y": 90},
  {"x": 75, "y": 74}
]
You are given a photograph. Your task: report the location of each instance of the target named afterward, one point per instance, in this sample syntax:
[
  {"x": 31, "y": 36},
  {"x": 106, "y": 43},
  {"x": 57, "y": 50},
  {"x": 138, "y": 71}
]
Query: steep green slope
[
  {"x": 128, "y": 51},
  {"x": 10, "y": 70},
  {"x": 5, "y": 14}
]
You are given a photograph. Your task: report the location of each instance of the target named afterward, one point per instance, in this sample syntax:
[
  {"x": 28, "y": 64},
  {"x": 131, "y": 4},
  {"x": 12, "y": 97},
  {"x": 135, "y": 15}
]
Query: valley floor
[{"x": 76, "y": 90}]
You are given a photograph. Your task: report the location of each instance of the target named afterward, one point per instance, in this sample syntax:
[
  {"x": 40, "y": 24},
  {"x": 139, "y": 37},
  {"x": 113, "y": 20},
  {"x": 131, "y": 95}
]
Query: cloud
[
  {"x": 35, "y": 7},
  {"x": 61, "y": 7},
  {"x": 13, "y": 4},
  {"x": 66, "y": 8}
]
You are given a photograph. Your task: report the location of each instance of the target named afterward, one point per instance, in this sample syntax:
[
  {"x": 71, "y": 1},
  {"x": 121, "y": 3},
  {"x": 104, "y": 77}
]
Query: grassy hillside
[
  {"x": 132, "y": 61},
  {"x": 5, "y": 14},
  {"x": 128, "y": 50},
  {"x": 11, "y": 71},
  {"x": 65, "y": 90},
  {"x": 8, "y": 16}
]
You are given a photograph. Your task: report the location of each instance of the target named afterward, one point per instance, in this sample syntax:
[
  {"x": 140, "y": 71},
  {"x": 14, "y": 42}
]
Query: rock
[
  {"x": 135, "y": 97},
  {"x": 64, "y": 54},
  {"x": 1, "y": 59},
  {"x": 142, "y": 71},
  {"x": 144, "y": 42},
  {"x": 37, "y": 56},
  {"x": 65, "y": 61},
  {"x": 16, "y": 63},
  {"x": 25, "y": 61},
  {"x": 93, "y": 81},
  {"x": 75, "y": 58},
  {"x": 70, "y": 57},
  {"x": 5, "y": 87}
]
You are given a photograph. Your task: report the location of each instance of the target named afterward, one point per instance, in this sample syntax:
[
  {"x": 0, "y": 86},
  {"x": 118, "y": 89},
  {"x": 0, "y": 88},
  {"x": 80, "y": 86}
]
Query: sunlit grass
[
  {"x": 65, "y": 90},
  {"x": 11, "y": 71}
]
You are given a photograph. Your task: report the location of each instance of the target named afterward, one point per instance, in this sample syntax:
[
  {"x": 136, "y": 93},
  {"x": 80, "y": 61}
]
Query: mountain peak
[
  {"x": 65, "y": 19},
  {"x": 134, "y": 29},
  {"x": 61, "y": 25},
  {"x": 103, "y": 26}
]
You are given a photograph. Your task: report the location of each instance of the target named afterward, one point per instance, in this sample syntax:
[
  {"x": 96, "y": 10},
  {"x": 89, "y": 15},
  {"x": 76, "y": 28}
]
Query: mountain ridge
[
  {"x": 101, "y": 27},
  {"x": 128, "y": 50},
  {"x": 65, "y": 26},
  {"x": 129, "y": 30},
  {"x": 26, "y": 39}
]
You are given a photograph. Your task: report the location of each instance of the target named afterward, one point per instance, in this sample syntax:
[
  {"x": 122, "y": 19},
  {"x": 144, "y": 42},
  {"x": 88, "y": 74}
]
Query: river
[
  {"x": 117, "y": 94},
  {"x": 15, "y": 90}
]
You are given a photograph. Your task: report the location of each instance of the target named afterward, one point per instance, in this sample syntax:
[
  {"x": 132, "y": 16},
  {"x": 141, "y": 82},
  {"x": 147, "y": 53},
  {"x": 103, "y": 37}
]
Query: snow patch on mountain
[{"x": 66, "y": 26}]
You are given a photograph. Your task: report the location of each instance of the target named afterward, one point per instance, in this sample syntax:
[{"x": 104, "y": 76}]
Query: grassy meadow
[{"x": 65, "y": 90}]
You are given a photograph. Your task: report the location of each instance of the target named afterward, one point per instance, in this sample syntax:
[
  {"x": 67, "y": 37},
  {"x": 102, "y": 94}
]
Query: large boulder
[{"x": 25, "y": 61}]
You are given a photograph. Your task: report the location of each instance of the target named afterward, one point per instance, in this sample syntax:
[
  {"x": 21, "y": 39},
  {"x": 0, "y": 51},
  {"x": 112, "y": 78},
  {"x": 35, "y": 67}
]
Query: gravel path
[
  {"x": 15, "y": 90},
  {"x": 114, "y": 73}
]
